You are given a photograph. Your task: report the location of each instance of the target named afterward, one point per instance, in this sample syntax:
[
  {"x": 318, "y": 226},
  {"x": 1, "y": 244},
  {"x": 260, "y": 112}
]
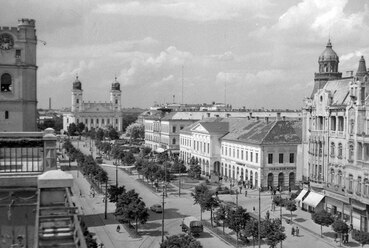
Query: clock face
[{"x": 6, "y": 41}]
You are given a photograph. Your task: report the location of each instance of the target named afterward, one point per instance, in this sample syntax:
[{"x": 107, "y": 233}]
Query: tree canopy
[
  {"x": 180, "y": 241},
  {"x": 322, "y": 218}
]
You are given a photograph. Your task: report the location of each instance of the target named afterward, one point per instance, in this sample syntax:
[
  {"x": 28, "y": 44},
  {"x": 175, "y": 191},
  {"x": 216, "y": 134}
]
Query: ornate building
[
  {"x": 18, "y": 83},
  {"x": 335, "y": 142},
  {"x": 95, "y": 115}
]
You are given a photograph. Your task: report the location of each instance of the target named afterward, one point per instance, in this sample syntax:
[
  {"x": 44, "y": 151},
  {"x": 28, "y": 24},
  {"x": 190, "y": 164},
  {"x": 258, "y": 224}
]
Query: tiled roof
[
  {"x": 340, "y": 90},
  {"x": 261, "y": 132}
]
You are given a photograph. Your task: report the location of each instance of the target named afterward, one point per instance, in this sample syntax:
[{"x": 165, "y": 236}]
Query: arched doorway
[
  {"x": 281, "y": 179},
  {"x": 256, "y": 180},
  {"x": 270, "y": 180},
  {"x": 291, "y": 180}
]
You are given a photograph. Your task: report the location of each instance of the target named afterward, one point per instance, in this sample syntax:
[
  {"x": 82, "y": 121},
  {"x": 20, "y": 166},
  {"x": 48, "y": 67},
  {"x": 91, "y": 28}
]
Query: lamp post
[
  {"x": 259, "y": 218},
  {"x": 162, "y": 218},
  {"x": 106, "y": 200}
]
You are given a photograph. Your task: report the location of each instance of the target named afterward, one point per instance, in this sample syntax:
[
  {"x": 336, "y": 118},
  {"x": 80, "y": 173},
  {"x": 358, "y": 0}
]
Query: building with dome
[
  {"x": 95, "y": 114},
  {"x": 335, "y": 143}
]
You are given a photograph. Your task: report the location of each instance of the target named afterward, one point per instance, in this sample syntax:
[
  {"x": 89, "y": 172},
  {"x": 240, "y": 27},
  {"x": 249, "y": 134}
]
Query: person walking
[
  {"x": 297, "y": 231},
  {"x": 267, "y": 214},
  {"x": 245, "y": 193},
  {"x": 293, "y": 231},
  {"x": 118, "y": 228}
]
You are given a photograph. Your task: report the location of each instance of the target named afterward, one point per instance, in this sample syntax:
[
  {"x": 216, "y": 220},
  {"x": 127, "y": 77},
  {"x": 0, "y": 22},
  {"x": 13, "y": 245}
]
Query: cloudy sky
[{"x": 243, "y": 52}]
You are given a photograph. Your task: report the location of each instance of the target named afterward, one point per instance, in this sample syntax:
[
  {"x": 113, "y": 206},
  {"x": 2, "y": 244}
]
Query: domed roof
[
  {"x": 328, "y": 54},
  {"x": 115, "y": 85},
  {"x": 77, "y": 85}
]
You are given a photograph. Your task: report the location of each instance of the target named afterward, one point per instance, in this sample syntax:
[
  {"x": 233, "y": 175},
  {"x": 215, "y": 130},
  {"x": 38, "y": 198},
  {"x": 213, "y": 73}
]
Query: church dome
[
  {"x": 115, "y": 85},
  {"x": 328, "y": 54},
  {"x": 77, "y": 85}
]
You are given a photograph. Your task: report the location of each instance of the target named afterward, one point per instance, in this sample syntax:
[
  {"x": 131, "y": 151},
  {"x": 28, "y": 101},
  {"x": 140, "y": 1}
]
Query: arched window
[
  {"x": 358, "y": 186},
  {"x": 339, "y": 179},
  {"x": 333, "y": 147},
  {"x": 6, "y": 114},
  {"x": 351, "y": 152},
  {"x": 340, "y": 150},
  {"x": 351, "y": 180},
  {"x": 332, "y": 175},
  {"x": 6, "y": 82}
]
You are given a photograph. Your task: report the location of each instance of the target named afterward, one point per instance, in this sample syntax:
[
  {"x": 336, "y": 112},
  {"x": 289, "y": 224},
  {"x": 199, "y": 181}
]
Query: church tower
[
  {"x": 77, "y": 97},
  {"x": 115, "y": 96},
  {"x": 361, "y": 70},
  {"x": 18, "y": 77},
  {"x": 328, "y": 68}
]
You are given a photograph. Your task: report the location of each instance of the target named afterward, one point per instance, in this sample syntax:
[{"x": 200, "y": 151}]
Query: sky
[{"x": 245, "y": 53}]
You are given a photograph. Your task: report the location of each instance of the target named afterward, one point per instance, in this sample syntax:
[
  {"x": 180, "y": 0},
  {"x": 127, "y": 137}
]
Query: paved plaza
[{"x": 179, "y": 207}]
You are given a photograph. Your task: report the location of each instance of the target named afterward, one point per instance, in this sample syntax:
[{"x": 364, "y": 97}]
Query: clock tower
[{"x": 18, "y": 77}]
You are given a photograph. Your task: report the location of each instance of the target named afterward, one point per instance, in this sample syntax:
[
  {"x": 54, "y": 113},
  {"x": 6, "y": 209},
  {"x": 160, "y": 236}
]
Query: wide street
[{"x": 176, "y": 208}]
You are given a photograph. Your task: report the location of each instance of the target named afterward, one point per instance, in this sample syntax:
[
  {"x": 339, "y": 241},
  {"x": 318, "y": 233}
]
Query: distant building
[
  {"x": 260, "y": 153},
  {"x": 95, "y": 115},
  {"x": 18, "y": 81}
]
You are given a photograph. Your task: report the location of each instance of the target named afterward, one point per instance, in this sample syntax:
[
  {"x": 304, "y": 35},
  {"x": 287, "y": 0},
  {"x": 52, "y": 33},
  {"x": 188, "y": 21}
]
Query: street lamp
[{"x": 162, "y": 219}]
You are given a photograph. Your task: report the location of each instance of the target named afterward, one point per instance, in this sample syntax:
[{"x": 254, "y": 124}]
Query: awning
[
  {"x": 313, "y": 199},
  {"x": 301, "y": 195},
  {"x": 159, "y": 150}
]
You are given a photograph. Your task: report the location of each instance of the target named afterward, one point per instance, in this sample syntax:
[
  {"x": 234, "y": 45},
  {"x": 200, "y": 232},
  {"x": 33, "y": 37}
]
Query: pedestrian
[
  {"x": 118, "y": 228},
  {"x": 297, "y": 231},
  {"x": 253, "y": 208},
  {"x": 267, "y": 214},
  {"x": 293, "y": 231},
  {"x": 245, "y": 193},
  {"x": 346, "y": 237},
  {"x": 240, "y": 189}
]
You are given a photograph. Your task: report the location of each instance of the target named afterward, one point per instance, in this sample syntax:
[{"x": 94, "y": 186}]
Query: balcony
[{"x": 338, "y": 189}]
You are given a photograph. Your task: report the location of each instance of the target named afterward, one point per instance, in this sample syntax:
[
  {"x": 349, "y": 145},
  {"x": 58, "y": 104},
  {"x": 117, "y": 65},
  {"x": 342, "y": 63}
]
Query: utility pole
[
  {"x": 106, "y": 200},
  {"x": 259, "y": 220},
  {"x": 162, "y": 219}
]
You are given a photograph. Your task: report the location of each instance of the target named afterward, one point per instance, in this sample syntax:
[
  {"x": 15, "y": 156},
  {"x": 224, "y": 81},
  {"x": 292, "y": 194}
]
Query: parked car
[{"x": 156, "y": 208}]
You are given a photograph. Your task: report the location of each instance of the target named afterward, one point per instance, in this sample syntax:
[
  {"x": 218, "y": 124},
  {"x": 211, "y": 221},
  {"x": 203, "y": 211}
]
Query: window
[
  {"x": 333, "y": 123},
  {"x": 270, "y": 158},
  {"x": 333, "y": 147},
  {"x": 292, "y": 158},
  {"x": 281, "y": 158},
  {"x": 340, "y": 123},
  {"x": 233, "y": 153},
  {"x": 181, "y": 127},
  {"x": 238, "y": 153},
  {"x": 256, "y": 157},
  {"x": 108, "y": 121},
  {"x": 116, "y": 101},
  {"x": 225, "y": 149},
  {"x": 17, "y": 53},
  {"x": 339, "y": 178},
  {"x": 339, "y": 150},
  {"x": 358, "y": 188},
  {"x": 116, "y": 121},
  {"x": 247, "y": 155},
  {"x": 92, "y": 121},
  {"x": 174, "y": 141},
  {"x": 251, "y": 155},
  {"x": 102, "y": 121},
  {"x": 77, "y": 100},
  {"x": 97, "y": 121},
  {"x": 332, "y": 176},
  {"x": 366, "y": 186},
  {"x": 6, "y": 82},
  {"x": 173, "y": 129},
  {"x": 242, "y": 154},
  {"x": 86, "y": 121},
  {"x": 351, "y": 152},
  {"x": 208, "y": 148},
  {"x": 6, "y": 114},
  {"x": 351, "y": 179},
  {"x": 230, "y": 151}
]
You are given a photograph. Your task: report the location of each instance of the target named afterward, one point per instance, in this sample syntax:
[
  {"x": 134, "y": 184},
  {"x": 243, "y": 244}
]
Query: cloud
[{"x": 192, "y": 10}]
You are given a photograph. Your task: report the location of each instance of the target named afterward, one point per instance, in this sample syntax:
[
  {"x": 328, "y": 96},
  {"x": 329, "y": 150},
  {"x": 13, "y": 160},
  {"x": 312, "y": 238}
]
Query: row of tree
[
  {"x": 86, "y": 163},
  {"x": 237, "y": 218}
]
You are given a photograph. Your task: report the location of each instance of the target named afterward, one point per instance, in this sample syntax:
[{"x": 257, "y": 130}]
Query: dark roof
[{"x": 261, "y": 132}]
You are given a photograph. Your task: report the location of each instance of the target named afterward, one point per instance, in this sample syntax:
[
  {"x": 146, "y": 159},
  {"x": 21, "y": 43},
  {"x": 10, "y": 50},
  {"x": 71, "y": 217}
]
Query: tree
[
  {"x": 145, "y": 151},
  {"x": 273, "y": 231},
  {"x": 290, "y": 206},
  {"x": 112, "y": 133},
  {"x": 210, "y": 202},
  {"x": 72, "y": 128},
  {"x": 252, "y": 230},
  {"x": 237, "y": 219},
  {"x": 339, "y": 226},
  {"x": 138, "y": 212},
  {"x": 322, "y": 218},
  {"x": 199, "y": 196},
  {"x": 80, "y": 127},
  {"x": 135, "y": 131},
  {"x": 179, "y": 241},
  {"x": 194, "y": 171},
  {"x": 100, "y": 134},
  {"x": 361, "y": 237},
  {"x": 114, "y": 192},
  {"x": 221, "y": 215},
  {"x": 129, "y": 158}
]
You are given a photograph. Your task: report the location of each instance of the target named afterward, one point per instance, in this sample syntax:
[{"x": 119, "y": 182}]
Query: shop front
[
  {"x": 359, "y": 215},
  {"x": 338, "y": 205},
  {"x": 299, "y": 199}
]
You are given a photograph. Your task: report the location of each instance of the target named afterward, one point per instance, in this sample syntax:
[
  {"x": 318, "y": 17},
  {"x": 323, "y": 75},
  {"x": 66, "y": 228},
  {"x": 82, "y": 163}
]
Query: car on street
[{"x": 156, "y": 208}]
